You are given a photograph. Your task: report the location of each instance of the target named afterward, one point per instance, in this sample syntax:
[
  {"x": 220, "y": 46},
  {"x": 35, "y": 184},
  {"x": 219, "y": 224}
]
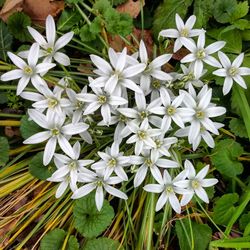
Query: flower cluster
[{"x": 147, "y": 108}]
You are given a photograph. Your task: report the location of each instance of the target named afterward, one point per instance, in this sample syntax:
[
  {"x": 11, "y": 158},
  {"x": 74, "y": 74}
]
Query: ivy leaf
[
  {"x": 54, "y": 241},
  {"x": 242, "y": 24},
  {"x": 67, "y": 20},
  {"x": 224, "y": 208},
  {"x": 237, "y": 126},
  {"x": 102, "y": 243},
  {"x": 223, "y": 10},
  {"x": 37, "y": 169},
  {"x": 203, "y": 10},
  {"x": 5, "y": 40},
  {"x": 4, "y": 151},
  {"x": 88, "y": 220},
  {"x": 202, "y": 234},
  {"x": 164, "y": 16},
  {"x": 224, "y": 157},
  {"x": 240, "y": 10},
  {"x": 28, "y": 128},
  {"x": 17, "y": 24}
]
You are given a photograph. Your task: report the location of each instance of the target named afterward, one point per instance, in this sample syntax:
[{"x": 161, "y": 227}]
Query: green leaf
[
  {"x": 234, "y": 243},
  {"x": 223, "y": 10},
  {"x": 4, "y": 151},
  {"x": 117, "y": 2},
  {"x": 233, "y": 40},
  {"x": 164, "y": 16},
  {"x": 3, "y": 97},
  {"x": 103, "y": 244},
  {"x": 67, "y": 20},
  {"x": 88, "y": 220},
  {"x": 202, "y": 235},
  {"x": 203, "y": 10},
  {"x": 102, "y": 6},
  {"x": 96, "y": 25},
  {"x": 242, "y": 24},
  {"x": 86, "y": 35},
  {"x": 54, "y": 241},
  {"x": 17, "y": 24},
  {"x": 240, "y": 10},
  {"x": 37, "y": 169},
  {"x": 225, "y": 157},
  {"x": 28, "y": 128},
  {"x": 224, "y": 208},
  {"x": 244, "y": 220},
  {"x": 237, "y": 126},
  {"x": 73, "y": 1},
  {"x": 5, "y": 41}
]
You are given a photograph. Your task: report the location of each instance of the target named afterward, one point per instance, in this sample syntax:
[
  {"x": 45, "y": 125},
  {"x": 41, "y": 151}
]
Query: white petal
[
  {"x": 37, "y": 36},
  {"x": 63, "y": 40},
  {"x": 115, "y": 192},
  {"x": 143, "y": 52},
  {"x": 154, "y": 188},
  {"x": 65, "y": 146},
  {"x": 61, "y": 189},
  {"x": 201, "y": 193},
  {"x": 111, "y": 84},
  {"x": 44, "y": 67},
  {"x": 209, "y": 182},
  {"x": 215, "y": 111},
  {"x": 186, "y": 198},
  {"x": 37, "y": 138},
  {"x": 50, "y": 30},
  {"x": 33, "y": 54},
  {"x": 11, "y": 75},
  {"x": 212, "y": 61},
  {"x": 62, "y": 58},
  {"x": 133, "y": 70},
  {"x": 220, "y": 72},
  {"x": 140, "y": 176},
  {"x": 160, "y": 60},
  {"x": 238, "y": 60},
  {"x": 22, "y": 83},
  {"x": 175, "y": 204},
  {"x": 106, "y": 115},
  {"x": 173, "y": 33},
  {"x": 101, "y": 64},
  {"x": 17, "y": 60},
  {"x": 243, "y": 71},
  {"x": 179, "y": 22},
  {"x": 99, "y": 198},
  {"x": 240, "y": 81},
  {"x": 224, "y": 60},
  {"x": 83, "y": 191},
  {"x": 49, "y": 150},
  {"x": 161, "y": 201},
  {"x": 72, "y": 129},
  {"x": 228, "y": 83},
  {"x": 210, "y": 49}
]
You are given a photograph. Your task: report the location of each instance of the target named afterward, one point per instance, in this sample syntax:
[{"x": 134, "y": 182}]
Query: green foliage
[
  {"x": 233, "y": 40},
  {"x": 17, "y": 25},
  {"x": 103, "y": 244},
  {"x": 224, "y": 157},
  {"x": 67, "y": 20},
  {"x": 89, "y": 32},
  {"x": 227, "y": 11},
  {"x": 164, "y": 16},
  {"x": 203, "y": 10},
  {"x": 102, "y": 6},
  {"x": 28, "y": 128},
  {"x": 88, "y": 220},
  {"x": 4, "y": 151},
  {"x": 37, "y": 168},
  {"x": 244, "y": 220},
  {"x": 224, "y": 208},
  {"x": 237, "y": 126},
  {"x": 5, "y": 41},
  {"x": 54, "y": 241},
  {"x": 73, "y": 1},
  {"x": 3, "y": 98},
  {"x": 117, "y": 2},
  {"x": 14, "y": 101},
  {"x": 202, "y": 235}
]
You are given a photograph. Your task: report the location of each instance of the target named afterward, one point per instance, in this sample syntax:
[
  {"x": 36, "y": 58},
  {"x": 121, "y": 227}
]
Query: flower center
[
  {"x": 73, "y": 165},
  {"x": 55, "y": 131},
  {"x": 169, "y": 189},
  {"x": 28, "y": 70},
  {"x": 79, "y": 104},
  {"x": 195, "y": 184},
  {"x": 99, "y": 183},
  {"x": 102, "y": 99},
  {"x": 233, "y": 71},
  {"x": 171, "y": 110},
  {"x": 52, "y": 103},
  {"x": 142, "y": 135},
  {"x": 184, "y": 32},
  {"x": 156, "y": 84},
  {"x": 201, "y": 54},
  {"x": 158, "y": 143},
  {"x": 148, "y": 162},
  {"x": 122, "y": 118},
  {"x": 143, "y": 114},
  {"x": 112, "y": 162},
  {"x": 189, "y": 77},
  {"x": 49, "y": 50},
  {"x": 200, "y": 114}
]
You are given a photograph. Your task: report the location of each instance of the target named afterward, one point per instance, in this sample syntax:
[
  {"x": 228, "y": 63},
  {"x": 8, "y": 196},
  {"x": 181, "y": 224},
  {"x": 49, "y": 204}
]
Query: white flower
[
  {"x": 112, "y": 161},
  {"x": 153, "y": 69},
  {"x": 101, "y": 99},
  {"x": 199, "y": 54},
  {"x": 56, "y": 132},
  {"x": 232, "y": 71},
  {"x": 68, "y": 169},
  {"x": 195, "y": 183},
  {"x": 99, "y": 182},
  {"x": 203, "y": 111},
  {"x": 116, "y": 77},
  {"x": 203, "y": 134},
  {"x": 142, "y": 111},
  {"x": 51, "y": 46},
  {"x": 168, "y": 191},
  {"x": 52, "y": 101},
  {"x": 183, "y": 30},
  {"x": 142, "y": 136},
  {"x": 172, "y": 111},
  {"x": 150, "y": 161},
  {"x": 27, "y": 72}
]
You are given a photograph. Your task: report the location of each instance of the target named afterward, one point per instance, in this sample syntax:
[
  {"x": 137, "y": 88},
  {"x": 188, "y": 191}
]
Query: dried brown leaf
[
  {"x": 9, "y": 7},
  {"x": 131, "y": 7}
]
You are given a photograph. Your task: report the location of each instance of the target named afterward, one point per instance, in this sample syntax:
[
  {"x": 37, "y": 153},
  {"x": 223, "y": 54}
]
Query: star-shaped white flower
[
  {"x": 97, "y": 181},
  {"x": 68, "y": 169},
  {"x": 195, "y": 183},
  {"x": 27, "y": 72},
  {"x": 183, "y": 30},
  {"x": 232, "y": 71},
  {"x": 168, "y": 191},
  {"x": 56, "y": 132},
  {"x": 200, "y": 54}
]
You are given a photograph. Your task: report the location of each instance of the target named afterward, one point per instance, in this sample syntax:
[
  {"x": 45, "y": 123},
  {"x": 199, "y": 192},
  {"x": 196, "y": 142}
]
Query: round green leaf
[
  {"x": 37, "y": 168},
  {"x": 103, "y": 244},
  {"x": 28, "y": 128},
  {"x": 88, "y": 220},
  {"x": 53, "y": 240}
]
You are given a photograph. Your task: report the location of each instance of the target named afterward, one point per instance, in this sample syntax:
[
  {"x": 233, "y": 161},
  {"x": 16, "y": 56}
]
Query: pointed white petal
[{"x": 49, "y": 150}]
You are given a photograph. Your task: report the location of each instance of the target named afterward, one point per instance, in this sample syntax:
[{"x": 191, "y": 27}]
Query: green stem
[
  {"x": 151, "y": 221},
  {"x": 13, "y": 87},
  {"x": 10, "y": 115}
]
